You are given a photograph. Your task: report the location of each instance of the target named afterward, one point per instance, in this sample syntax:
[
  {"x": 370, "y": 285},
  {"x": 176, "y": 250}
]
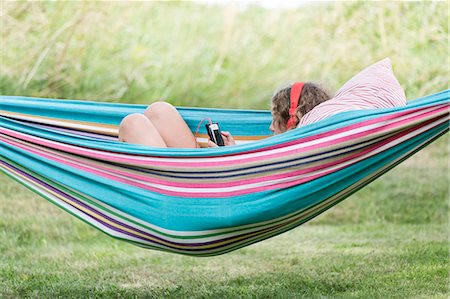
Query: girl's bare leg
[
  {"x": 170, "y": 125},
  {"x": 137, "y": 128}
]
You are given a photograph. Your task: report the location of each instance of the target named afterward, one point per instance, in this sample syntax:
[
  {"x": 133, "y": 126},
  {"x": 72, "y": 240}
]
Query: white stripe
[
  {"x": 67, "y": 124},
  {"x": 180, "y": 161},
  {"x": 195, "y": 190},
  {"x": 289, "y": 179}
]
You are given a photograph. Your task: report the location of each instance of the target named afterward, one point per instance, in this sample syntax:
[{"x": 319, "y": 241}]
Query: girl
[{"x": 162, "y": 126}]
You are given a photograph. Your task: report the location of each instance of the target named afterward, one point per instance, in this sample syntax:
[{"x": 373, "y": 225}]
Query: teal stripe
[{"x": 239, "y": 122}]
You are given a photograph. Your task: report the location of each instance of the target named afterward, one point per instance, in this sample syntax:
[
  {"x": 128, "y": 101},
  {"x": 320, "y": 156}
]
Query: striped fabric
[
  {"x": 206, "y": 201},
  {"x": 374, "y": 87}
]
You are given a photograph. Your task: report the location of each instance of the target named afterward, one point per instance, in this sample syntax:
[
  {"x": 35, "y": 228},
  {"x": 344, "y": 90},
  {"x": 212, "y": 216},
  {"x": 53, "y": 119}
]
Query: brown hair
[{"x": 311, "y": 96}]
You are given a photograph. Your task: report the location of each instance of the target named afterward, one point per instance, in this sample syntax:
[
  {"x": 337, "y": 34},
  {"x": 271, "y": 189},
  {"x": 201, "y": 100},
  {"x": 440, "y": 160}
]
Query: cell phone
[{"x": 215, "y": 134}]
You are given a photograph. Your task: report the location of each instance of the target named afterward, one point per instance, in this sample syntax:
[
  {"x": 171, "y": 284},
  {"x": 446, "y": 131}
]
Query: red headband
[{"x": 296, "y": 91}]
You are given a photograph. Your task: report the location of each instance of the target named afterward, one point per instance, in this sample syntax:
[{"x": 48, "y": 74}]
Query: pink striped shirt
[{"x": 374, "y": 87}]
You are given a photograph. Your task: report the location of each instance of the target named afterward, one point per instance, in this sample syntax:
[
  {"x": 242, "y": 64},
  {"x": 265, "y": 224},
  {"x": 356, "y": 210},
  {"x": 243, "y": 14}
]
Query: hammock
[{"x": 207, "y": 201}]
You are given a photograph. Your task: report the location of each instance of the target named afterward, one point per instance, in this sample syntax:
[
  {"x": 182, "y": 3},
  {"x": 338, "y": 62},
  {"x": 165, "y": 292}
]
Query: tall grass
[{"x": 214, "y": 56}]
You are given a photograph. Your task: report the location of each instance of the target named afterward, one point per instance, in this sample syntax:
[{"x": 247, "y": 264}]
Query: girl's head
[{"x": 311, "y": 95}]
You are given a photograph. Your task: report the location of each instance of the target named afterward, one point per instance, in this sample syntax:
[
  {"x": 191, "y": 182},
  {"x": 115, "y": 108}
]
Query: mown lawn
[{"x": 315, "y": 261}]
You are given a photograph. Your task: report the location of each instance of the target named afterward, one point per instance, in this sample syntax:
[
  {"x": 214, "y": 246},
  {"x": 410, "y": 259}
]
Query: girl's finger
[{"x": 212, "y": 144}]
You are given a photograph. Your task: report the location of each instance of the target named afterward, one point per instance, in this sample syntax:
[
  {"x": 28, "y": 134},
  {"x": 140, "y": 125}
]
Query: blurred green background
[
  {"x": 389, "y": 240},
  {"x": 230, "y": 55}
]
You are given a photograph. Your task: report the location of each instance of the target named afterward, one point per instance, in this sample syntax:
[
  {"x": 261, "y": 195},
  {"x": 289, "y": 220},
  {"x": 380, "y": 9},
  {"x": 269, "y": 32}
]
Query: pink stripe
[
  {"x": 181, "y": 163},
  {"x": 170, "y": 163},
  {"x": 154, "y": 162},
  {"x": 346, "y": 128},
  {"x": 230, "y": 193},
  {"x": 231, "y": 183},
  {"x": 169, "y": 192},
  {"x": 64, "y": 160}
]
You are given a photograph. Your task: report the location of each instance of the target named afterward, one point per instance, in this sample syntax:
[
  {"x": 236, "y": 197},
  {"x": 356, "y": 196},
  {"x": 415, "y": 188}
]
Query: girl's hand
[
  {"x": 212, "y": 144},
  {"x": 227, "y": 139}
]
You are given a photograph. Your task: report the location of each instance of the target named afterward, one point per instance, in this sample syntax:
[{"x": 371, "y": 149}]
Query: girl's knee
[
  {"x": 132, "y": 119},
  {"x": 159, "y": 109},
  {"x": 130, "y": 122}
]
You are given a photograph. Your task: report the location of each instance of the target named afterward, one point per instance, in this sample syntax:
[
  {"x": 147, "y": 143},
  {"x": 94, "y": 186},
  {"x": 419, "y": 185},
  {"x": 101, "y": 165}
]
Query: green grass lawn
[
  {"x": 389, "y": 240},
  {"x": 315, "y": 261}
]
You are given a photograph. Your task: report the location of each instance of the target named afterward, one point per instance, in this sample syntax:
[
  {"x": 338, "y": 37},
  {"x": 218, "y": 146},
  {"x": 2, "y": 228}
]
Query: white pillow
[{"x": 374, "y": 87}]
